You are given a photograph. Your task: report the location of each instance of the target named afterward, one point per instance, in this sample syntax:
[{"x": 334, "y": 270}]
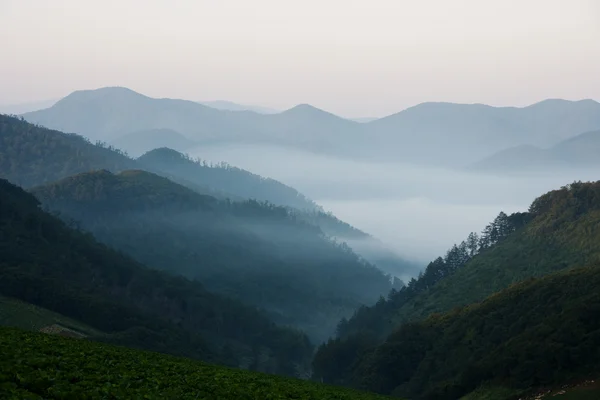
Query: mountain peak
[{"x": 101, "y": 93}]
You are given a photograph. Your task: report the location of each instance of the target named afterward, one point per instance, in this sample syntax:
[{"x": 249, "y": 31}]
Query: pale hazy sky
[{"x": 350, "y": 57}]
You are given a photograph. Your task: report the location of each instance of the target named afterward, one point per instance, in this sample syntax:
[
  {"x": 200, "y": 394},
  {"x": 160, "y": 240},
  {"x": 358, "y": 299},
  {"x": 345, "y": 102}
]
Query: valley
[{"x": 267, "y": 200}]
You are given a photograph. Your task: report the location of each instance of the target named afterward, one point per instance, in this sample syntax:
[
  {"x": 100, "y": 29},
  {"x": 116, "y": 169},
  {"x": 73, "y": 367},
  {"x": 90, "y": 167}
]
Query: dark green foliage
[
  {"x": 536, "y": 333},
  {"x": 225, "y": 181},
  {"x": 559, "y": 231},
  {"x": 39, "y": 366},
  {"x": 256, "y": 252},
  {"x": 47, "y": 264},
  {"x": 31, "y": 155},
  {"x": 224, "y": 178}
]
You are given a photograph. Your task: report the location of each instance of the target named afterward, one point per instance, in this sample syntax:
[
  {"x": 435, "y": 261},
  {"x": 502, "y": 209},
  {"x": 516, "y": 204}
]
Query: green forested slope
[
  {"x": 39, "y": 366},
  {"x": 537, "y": 333},
  {"x": 255, "y": 252},
  {"x": 32, "y": 155},
  {"x": 45, "y": 263},
  {"x": 561, "y": 230},
  {"x": 225, "y": 178}
]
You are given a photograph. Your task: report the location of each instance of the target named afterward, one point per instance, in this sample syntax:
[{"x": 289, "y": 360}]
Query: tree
[{"x": 472, "y": 244}]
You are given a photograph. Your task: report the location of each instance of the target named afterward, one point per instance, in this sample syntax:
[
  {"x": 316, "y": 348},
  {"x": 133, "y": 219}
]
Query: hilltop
[{"x": 140, "y": 142}]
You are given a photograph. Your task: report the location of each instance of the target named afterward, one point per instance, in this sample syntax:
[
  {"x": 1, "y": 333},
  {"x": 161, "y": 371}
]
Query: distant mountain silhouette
[
  {"x": 231, "y": 106},
  {"x": 137, "y": 143},
  {"x": 109, "y": 113},
  {"x": 461, "y": 134},
  {"x": 430, "y": 133},
  {"x": 581, "y": 151}
]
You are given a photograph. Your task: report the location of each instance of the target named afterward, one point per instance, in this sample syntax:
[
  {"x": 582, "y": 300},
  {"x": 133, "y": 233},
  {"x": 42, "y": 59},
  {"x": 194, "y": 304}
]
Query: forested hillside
[
  {"x": 559, "y": 231},
  {"x": 224, "y": 181},
  {"x": 31, "y": 155},
  {"x": 46, "y": 263},
  {"x": 539, "y": 333},
  {"x": 252, "y": 251},
  {"x": 225, "y": 178}
]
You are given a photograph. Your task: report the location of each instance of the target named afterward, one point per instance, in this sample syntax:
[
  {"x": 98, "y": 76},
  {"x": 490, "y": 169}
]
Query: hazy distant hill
[
  {"x": 30, "y": 155},
  {"x": 236, "y": 184},
  {"x": 581, "y": 151},
  {"x": 137, "y": 143},
  {"x": 461, "y": 134},
  {"x": 228, "y": 105},
  {"x": 433, "y": 133},
  {"x": 254, "y": 252},
  {"x": 416, "y": 134},
  {"x": 110, "y": 113},
  {"x": 49, "y": 264},
  {"x": 225, "y": 178}
]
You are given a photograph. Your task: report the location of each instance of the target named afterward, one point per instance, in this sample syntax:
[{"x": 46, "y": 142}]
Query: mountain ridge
[{"x": 462, "y": 133}]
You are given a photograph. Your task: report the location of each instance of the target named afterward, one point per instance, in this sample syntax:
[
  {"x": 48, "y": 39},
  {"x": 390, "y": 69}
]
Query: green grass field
[{"x": 40, "y": 366}]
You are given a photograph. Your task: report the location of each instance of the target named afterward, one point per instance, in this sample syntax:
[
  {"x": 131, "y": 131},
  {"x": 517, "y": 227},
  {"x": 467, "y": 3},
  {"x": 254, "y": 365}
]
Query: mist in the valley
[{"x": 419, "y": 211}]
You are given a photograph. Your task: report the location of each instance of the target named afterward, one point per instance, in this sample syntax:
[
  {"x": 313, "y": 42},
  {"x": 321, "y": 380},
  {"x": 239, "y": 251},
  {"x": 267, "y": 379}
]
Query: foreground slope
[
  {"x": 256, "y": 252},
  {"x": 39, "y": 366},
  {"x": 541, "y": 332},
  {"x": 558, "y": 232},
  {"x": 46, "y": 263}
]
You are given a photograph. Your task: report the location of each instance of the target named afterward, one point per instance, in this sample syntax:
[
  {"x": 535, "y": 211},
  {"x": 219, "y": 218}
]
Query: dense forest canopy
[
  {"x": 256, "y": 252},
  {"x": 48, "y": 264},
  {"x": 31, "y": 155},
  {"x": 558, "y": 232},
  {"x": 224, "y": 177},
  {"x": 536, "y": 333}
]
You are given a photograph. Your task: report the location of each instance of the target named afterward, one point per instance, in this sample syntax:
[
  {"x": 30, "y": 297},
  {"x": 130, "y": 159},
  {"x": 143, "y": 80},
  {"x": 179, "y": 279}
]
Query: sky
[{"x": 353, "y": 58}]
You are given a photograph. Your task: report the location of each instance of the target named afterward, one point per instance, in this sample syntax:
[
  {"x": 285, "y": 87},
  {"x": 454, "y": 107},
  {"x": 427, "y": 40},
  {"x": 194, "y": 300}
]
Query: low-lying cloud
[{"x": 419, "y": 211}]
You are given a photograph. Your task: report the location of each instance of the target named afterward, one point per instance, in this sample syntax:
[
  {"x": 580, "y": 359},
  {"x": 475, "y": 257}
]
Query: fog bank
[{"x": 419, "y": 211}]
